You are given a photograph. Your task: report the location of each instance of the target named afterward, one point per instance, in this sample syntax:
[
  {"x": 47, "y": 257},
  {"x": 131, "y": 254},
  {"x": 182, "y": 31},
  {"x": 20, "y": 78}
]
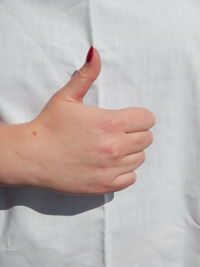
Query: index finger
[{"x": 137, "y": 119}]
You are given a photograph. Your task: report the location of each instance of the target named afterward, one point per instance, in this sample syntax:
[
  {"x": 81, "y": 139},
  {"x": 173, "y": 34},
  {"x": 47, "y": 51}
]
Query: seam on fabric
[
  {"x": 92, "y": 36},
  {"x": 104, "y": 235},
  {"x": 92, "y": 40},
  {"x": 105, "y": 231},
  {"x": 90, "y": 23}
]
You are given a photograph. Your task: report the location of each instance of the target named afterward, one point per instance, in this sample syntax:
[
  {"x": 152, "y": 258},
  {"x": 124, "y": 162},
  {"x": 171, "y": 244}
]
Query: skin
[{"x": 74, "y": 148}]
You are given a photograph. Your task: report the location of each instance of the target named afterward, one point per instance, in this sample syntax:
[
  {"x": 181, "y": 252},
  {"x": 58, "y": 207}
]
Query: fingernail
[{"x": 89, "y": 55}]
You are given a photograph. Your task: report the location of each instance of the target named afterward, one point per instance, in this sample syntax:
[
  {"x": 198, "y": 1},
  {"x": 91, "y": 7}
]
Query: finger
[
  {"x": 132, "y": 161},
  {"x": 136, "y": 142},
  {"x": 137, "y": 119},
  {"x": 123, "y": 181},
  {"x": 127, "y": 164},
  {"x": 82, "y": 79}
]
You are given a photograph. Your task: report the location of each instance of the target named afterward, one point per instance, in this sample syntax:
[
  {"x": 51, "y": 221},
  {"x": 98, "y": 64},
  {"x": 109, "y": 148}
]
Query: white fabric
[{"x": 151, "y": 58}]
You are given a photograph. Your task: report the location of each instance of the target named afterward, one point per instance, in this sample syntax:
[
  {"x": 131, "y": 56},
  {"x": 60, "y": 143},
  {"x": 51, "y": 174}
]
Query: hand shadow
[{"x": 50, "y": 202}]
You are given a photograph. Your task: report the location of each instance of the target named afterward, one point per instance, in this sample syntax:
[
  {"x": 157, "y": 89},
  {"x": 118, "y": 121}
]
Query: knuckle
[
  {"x": 82, "y": 74},
  {"x": 114, "y": 150}
]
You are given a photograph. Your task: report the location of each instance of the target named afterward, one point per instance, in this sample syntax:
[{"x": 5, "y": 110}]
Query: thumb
[{"x": 77, "y": 87}]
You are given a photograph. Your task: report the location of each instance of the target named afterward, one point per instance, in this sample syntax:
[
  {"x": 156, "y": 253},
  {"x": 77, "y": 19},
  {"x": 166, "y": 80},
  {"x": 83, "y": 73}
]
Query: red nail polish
[{"x": 89, "y": 55}]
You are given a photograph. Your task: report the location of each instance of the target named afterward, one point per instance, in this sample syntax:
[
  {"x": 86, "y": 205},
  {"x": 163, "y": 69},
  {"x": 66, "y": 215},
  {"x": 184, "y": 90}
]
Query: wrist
[{"x": 16, "y": 166}]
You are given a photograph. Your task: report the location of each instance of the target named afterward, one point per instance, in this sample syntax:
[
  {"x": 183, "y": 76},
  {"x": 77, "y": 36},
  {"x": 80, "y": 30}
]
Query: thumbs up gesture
[{"x": 76, "y": 148}]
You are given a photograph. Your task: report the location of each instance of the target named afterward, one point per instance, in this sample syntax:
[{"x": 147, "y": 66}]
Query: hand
[{"x": 76, "y": 148}]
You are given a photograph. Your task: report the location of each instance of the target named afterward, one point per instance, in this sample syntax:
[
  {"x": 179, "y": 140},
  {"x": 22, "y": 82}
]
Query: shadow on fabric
[{"x": 50, "y": 202}]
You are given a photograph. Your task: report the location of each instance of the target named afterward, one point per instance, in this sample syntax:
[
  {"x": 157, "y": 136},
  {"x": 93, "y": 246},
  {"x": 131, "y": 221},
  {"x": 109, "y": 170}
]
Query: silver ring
[{"x": 74, "y": 73}]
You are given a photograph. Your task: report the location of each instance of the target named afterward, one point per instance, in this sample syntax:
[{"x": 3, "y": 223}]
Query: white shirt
[{"x": 150, "y": 54}]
